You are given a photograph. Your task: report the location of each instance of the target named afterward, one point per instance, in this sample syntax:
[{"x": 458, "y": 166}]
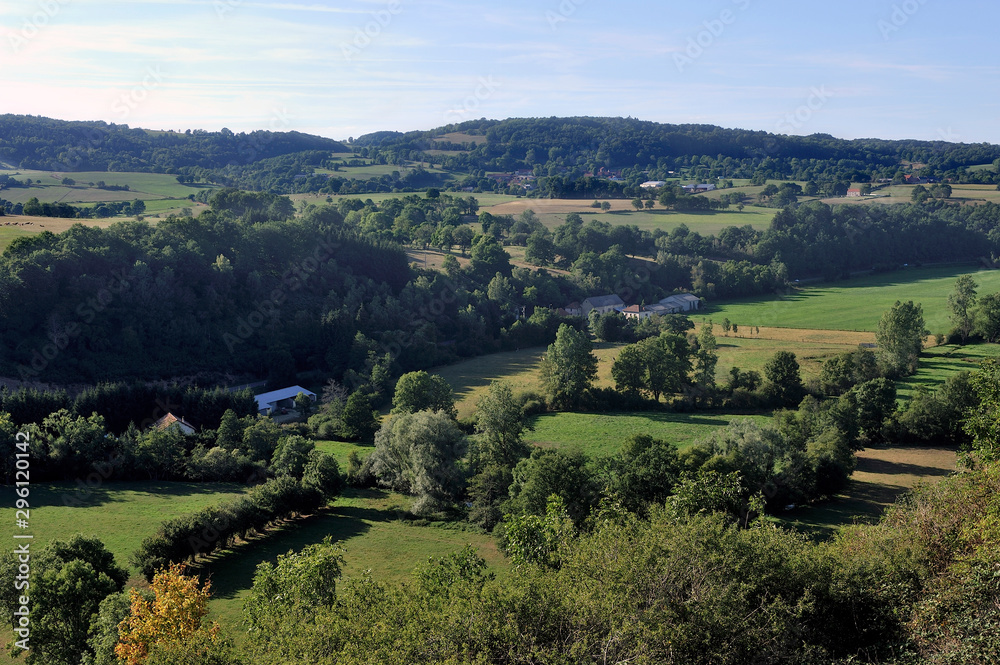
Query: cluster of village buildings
[{"x": 675, "y": 304}]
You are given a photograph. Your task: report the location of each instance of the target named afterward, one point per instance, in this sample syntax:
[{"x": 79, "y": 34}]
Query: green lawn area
[
  {"x": 341, "y": 450},
  {"x": 377, "y": 170},
  {"x": 121, "y": 514},
  {"x": 598, "y": 434},
  {"x": 856, "y": 304},
  {"x": 370, "y": 526}
]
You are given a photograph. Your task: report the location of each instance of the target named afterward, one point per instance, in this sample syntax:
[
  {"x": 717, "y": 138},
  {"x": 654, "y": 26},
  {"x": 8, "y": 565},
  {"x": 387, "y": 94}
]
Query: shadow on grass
[
  {"x": 232, "y": 570},
  {"x": 870, "y": 465},
  {"x": 80, "y": 495},
  {"x": 478, "y": 375}
]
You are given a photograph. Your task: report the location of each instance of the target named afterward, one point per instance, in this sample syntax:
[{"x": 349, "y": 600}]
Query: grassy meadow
[
  {"x": 939, "y": 363},
  {"x": 371, "y": 527},
  {"x": 121, "y": 514},
  {"x": 855, "y": 304},
  {"x": 552, "y": 213},
  {"x": 602, "y": 434}
]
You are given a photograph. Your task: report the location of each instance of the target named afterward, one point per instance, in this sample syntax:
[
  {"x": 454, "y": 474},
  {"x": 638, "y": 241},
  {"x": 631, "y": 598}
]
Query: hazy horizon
[{"x": 892, "y": 70}]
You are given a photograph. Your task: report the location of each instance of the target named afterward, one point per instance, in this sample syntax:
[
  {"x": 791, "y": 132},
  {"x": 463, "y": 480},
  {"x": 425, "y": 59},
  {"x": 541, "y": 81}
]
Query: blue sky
[{"x": 921, "y": 69}]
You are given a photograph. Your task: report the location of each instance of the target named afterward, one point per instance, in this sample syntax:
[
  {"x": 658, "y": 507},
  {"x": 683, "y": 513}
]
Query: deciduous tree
[
  {"x": 569, "y": 366},
  {"x": 900, "y": 337},
  {"x": 174, "y": 615}
]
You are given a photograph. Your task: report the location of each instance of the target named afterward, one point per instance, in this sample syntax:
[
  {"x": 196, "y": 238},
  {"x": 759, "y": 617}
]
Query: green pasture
[
  {"x": 856, "y": 304},
  {"x": 370, "y": 525},
  {"x": 141, "y": 186},
  {"x": 378, "y": 170},
  {"x": 121, "y": 514},
  {"x": 341, "y": 450},
  {"x": 597, "y": 434},
  {"x": 939, "y": 363},
  {"x": 8, "y": 233}
]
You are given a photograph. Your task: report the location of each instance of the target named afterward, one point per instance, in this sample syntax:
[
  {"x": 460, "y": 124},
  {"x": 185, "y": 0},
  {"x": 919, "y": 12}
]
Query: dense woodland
[
  {"x": 249, "y": 289},
  {"x": 30, "y": 142},
  {"x": 560, "y": 151}
]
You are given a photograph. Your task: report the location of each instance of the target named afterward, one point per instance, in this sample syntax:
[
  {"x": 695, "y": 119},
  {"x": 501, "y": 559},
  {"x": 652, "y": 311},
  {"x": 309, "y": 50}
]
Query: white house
[
  {"x": 170, "y": 420},
  {"x": 268, "y": 403},
  {"x": 637, "y": 312},
  {"x": 602, "y": 304}
]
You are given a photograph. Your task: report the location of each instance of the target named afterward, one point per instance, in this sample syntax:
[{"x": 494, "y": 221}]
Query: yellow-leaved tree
[{"x": 174, "y": 614}]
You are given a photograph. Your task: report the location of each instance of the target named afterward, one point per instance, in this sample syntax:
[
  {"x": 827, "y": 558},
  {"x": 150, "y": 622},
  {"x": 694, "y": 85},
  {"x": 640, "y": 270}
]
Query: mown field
[
  {"x": 121, "y": 514},
  {"x": 142, "y": 186},
  {"x": 371, "y": 527},
  {"x": 855, "y": 304},
  {"x": 602, "y": 434}
]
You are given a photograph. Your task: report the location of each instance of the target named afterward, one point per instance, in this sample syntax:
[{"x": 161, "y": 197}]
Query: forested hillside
[
  {"x": 561, "y": 146},
  {"x": 30, "y": 142},
  {"x": 244, "y": 288}
]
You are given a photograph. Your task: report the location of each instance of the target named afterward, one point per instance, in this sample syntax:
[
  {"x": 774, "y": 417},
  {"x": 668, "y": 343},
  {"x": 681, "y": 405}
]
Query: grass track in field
[{"x": 855, "y": 304}]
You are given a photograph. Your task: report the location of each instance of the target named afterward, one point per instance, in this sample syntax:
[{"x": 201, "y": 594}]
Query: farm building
[
  {"x": 602, "y": 304},
  {"x": 572, "y": 309},
  {"x": 658, "y": 309},
  {"x": 698, "y": 188},
  {"x": 682, "y": 302},
  {"x": 269, "y": 403},
  {"x": 854, "y": 192},
  {"x": 653, "y": 184},
  {"x": 170, "y": 420}
]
